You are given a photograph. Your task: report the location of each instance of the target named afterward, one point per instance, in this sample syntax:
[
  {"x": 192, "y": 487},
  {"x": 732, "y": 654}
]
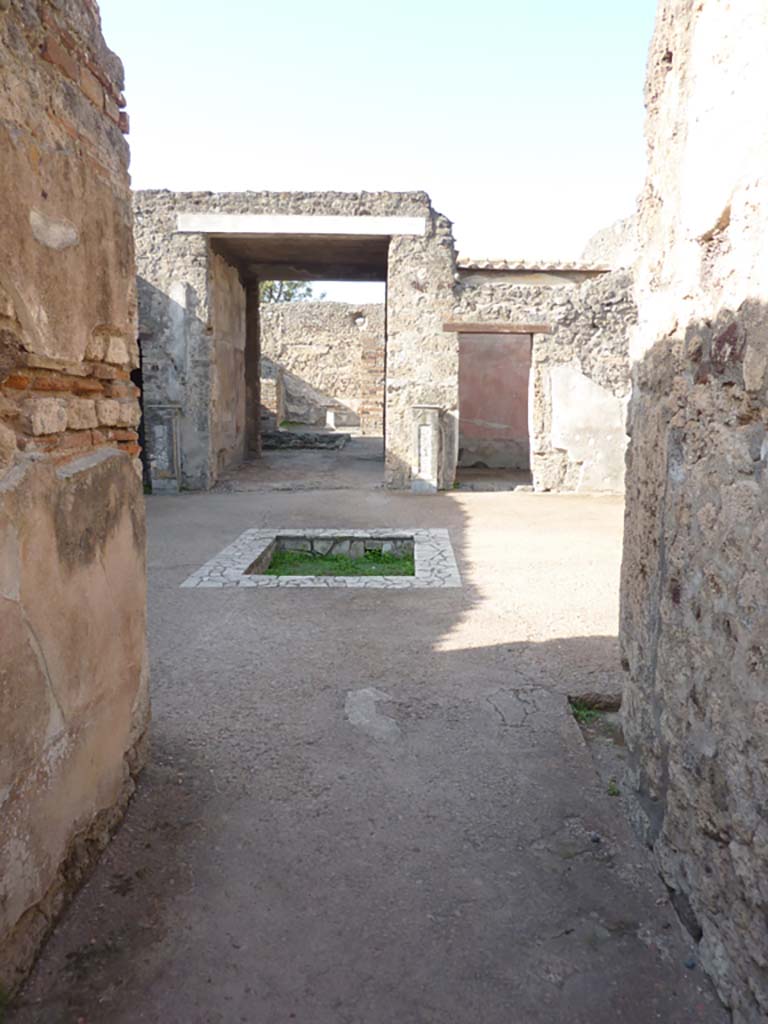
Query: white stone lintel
[{"x": 297, "y": 224}]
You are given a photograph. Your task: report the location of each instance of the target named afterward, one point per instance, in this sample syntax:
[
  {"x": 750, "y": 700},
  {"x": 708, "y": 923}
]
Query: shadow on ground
[{"x": 376, "y": 806}]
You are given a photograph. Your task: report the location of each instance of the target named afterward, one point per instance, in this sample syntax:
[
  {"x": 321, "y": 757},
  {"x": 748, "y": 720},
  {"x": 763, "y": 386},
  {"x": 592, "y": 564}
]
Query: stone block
[
  {"x": 116, "y": 351},
  {"x": 7, "y": 447},
  {"x": 95, "y": 348},
  {"x": 111, "y": 109},
  {"x": 81, "y": 414},
  {"x": 46, "y": 415},
  {"x": 295, "y": 544},
  {"x": 128, "y": 414},
  {"x": 108, "y": 412},
  {"x": 356, "y": 548},
  {"x": 322, "y": 546},
  {"x": 426, "y": 459},
  {"x": 55, "y": 54},
  {"x": 92, "y": 87}
]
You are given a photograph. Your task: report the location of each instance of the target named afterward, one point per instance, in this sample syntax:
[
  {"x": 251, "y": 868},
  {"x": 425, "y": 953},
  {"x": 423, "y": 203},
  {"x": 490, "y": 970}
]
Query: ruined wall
[
  {"x": 694, "y": 620},
  {"x": 227, "y": 303},
  {"x": 176, "y": 342},
  {"x": 422, "y": 360},
  {"x": 579, "y": 374},
  {"x": 320, "y": 347},
  {"x": 177, "y": 333},
  {"x": 614, "y": 247},
  {"x": 73, "y": 682}
]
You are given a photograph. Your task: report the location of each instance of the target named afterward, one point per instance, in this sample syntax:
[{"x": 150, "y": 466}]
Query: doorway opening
[
  {"x": 314, "y": 362},
  {"x": 321, "y": 382},
  {"x": 494, "y": 389}
]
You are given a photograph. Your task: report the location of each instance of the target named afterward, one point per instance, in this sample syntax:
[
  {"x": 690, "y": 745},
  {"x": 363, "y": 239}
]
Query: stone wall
[
  {"x": 73, "y": 679},
  {"x": 320, "y": 348},
  {"x": 694, "y": 621},
  {"x": 494, "y": 377},
  {"x": 615, "y": 247},
  {"x": 580, "y": 372},
  {"x": 179, "y": 337},
  {"x": 422, "y": 359},
  {"x": 177, "y": 344}
]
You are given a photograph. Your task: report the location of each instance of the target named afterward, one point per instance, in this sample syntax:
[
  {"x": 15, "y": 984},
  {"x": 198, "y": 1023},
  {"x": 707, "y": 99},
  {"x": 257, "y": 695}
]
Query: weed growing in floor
[
  {"x": 613, "y": 788},
  {"x": 583, "y": 713},
  {"x": 372, "y": 563}
]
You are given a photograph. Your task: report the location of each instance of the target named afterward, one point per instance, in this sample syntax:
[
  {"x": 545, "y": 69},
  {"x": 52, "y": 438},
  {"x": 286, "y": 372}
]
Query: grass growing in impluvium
[
  {"x": 372, "y": 563},
  {"x": 583, "y": 713}
]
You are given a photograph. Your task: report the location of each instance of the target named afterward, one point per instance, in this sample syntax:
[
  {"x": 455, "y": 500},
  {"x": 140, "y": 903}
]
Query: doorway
[{"x": 494, "y": 384}]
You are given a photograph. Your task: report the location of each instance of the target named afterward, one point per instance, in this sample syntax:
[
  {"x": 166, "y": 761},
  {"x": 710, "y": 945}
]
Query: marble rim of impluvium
[{"x": 435, "y": 562}]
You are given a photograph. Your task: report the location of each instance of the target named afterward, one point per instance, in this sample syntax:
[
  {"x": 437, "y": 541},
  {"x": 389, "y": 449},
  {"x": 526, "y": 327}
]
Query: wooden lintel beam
[{"x": 496, "y": 328}]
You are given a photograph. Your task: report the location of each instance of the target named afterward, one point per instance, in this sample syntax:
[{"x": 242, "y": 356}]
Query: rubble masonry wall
[
  {"x": 321, "y": 349},
  {"x": 580, "y": 372},
  {"x": 694, "y": 613}
]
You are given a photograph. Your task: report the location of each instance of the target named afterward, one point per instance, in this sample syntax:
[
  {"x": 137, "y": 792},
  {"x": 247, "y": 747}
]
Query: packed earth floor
[{"x": 371, "y": 806}]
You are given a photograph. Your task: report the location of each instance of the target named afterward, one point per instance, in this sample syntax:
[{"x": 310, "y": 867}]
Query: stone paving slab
[{"x": 435, "y": 562}]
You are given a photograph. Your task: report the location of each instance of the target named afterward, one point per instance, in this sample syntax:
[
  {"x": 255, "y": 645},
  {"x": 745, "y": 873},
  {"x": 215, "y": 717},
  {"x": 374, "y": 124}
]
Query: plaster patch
[
  {"x": 53, "y": 232},
  {"x": 588, "y": 423}
]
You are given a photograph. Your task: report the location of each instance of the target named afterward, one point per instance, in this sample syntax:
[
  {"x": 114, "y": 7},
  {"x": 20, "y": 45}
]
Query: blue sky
[{"x": 522, "y": 118}]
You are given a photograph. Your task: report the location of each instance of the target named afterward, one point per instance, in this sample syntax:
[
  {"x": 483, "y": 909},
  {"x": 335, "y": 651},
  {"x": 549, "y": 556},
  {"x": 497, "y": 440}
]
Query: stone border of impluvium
[{"x": 238, "y": 564}]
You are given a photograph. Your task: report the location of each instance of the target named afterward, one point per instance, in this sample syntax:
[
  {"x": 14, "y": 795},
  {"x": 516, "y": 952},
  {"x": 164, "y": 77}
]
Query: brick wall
[{"x": 66, "y": 402}]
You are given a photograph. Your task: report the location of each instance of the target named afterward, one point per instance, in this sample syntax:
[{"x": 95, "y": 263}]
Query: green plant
[
  {"x": 582, "y": 712},
  {"x": 372, "y": 563},
  {"x": 613, "y": 788},
  {"x": 287, "y": 291}
]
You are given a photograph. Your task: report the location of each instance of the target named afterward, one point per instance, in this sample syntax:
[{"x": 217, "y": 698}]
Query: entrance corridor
[{"x": 375, "y": 807}]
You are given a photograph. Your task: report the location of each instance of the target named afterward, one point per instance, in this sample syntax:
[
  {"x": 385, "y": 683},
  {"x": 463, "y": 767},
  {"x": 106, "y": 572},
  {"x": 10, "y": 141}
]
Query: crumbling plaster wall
[
  {"x": 694, "y": 619},
  {"x": 177, "y": 333},
  {"x": 73, "y": 673},
  {"x": 579, "y": 372},
  {"x": 319, "y": 346}
]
